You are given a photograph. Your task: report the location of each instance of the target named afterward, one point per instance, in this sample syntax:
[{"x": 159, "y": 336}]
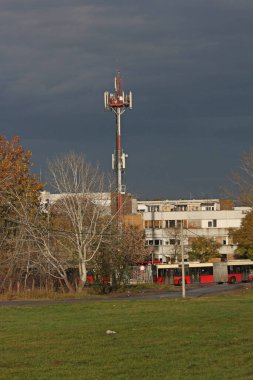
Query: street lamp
[{"x": 182, "y": 258}]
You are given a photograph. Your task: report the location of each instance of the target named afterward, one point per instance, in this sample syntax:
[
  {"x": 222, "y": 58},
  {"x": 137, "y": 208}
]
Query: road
[
  {"x": 190, "y": 292},
  {"x": 200, "y": 291}
]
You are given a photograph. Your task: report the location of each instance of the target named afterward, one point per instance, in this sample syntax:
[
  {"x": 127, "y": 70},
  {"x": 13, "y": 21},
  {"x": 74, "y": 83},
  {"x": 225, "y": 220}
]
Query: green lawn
[{"x": 204, "y": 338}]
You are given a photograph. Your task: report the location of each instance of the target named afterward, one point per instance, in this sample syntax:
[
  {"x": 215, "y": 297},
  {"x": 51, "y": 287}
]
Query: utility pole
[
  {"x": 118, "y": 103},
  {"x": 182, "y": 258}
]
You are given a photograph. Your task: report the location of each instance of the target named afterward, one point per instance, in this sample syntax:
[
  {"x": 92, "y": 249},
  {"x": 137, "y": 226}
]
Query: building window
[
  {"x": 174, "y": 241},
  {"x": 212, "y": 223},
  {"x": 154, "y": 208},
  {"x": 158, "y": 223},
  {"x": 173, "y": 223},
  {"x": 148, "y": 224},
  {"x": 181, "y": 208}
]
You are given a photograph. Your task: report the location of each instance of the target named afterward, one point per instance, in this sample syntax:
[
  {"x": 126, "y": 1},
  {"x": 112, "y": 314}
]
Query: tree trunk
[
  {"x": 69, "y": 285},
  {"x": 18, "y": 287},
  {"x": 115, "y": 284},
  {"x": 83, "y": 275},
  {"x": 10, "y": 285}
]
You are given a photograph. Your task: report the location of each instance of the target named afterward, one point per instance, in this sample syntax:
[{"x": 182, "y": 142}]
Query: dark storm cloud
[{"x": 189, "y": 64}]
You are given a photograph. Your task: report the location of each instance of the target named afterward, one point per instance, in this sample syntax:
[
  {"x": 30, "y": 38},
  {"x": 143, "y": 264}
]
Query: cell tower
[{"x": 118, "y": 103}]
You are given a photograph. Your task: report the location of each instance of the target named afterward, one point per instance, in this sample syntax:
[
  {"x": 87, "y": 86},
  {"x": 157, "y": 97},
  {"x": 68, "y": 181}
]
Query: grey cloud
[{"x": 189, "y": 64}]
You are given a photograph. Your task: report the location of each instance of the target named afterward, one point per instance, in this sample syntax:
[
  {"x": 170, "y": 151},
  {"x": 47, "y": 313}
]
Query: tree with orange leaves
[
  {"x": 16, "y": 183},
  {"x": 15, "y": 170}
]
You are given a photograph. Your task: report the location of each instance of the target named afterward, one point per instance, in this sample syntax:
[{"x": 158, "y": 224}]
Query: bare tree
[
  {"x": 11, "y": 256},
  {"x": 242, "y": 180},
  {"x": 35, "y": 246},
  {"x": 83, "y": 208},
  {"x": 175, "y": 238}
]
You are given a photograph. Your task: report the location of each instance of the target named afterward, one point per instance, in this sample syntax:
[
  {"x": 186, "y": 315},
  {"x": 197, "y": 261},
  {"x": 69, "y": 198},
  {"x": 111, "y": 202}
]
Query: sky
[{"x": 189, "y": 64}]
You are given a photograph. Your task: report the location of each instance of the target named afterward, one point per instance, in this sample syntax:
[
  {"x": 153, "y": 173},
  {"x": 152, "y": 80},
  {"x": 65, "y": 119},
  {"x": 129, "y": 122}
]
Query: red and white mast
[{"x": 118, "y": 103}]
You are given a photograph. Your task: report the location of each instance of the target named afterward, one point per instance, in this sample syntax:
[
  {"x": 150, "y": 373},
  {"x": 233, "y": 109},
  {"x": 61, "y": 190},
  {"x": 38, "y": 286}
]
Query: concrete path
[{"x": 190, "y": 292}]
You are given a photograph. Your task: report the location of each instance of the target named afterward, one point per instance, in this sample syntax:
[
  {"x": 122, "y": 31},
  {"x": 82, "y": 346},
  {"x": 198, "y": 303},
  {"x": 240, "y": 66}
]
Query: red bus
[
  {"x": 235, "y": 271},
  {"x": 231, "y": 272},
  {"x": 194, "y": 272}
]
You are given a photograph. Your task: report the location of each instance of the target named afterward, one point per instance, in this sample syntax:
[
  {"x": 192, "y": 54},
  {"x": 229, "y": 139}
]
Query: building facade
[
  {"x": 168, "y": 222},
  {"x": 107, "y": 200}
]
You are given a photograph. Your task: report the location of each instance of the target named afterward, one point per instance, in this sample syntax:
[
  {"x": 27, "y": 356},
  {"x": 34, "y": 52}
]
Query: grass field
[{"x": 204, "y": 338}]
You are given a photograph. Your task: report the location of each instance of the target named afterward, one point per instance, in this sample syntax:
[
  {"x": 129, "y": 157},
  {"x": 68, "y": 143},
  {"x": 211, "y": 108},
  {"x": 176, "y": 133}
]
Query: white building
[
  {"x": 209, "y": 218},
  {"x": 104, "y": 199}
]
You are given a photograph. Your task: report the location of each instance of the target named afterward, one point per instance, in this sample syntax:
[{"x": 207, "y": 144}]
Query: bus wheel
[
  {"x": 232, "y": 280},
  {"x": 180, "y": 282}
]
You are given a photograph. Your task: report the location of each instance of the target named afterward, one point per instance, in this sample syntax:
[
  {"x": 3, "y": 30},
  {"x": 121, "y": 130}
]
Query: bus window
[
  {"x": 206, "y": 271},
  {"x": 178, "y": 272}
]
